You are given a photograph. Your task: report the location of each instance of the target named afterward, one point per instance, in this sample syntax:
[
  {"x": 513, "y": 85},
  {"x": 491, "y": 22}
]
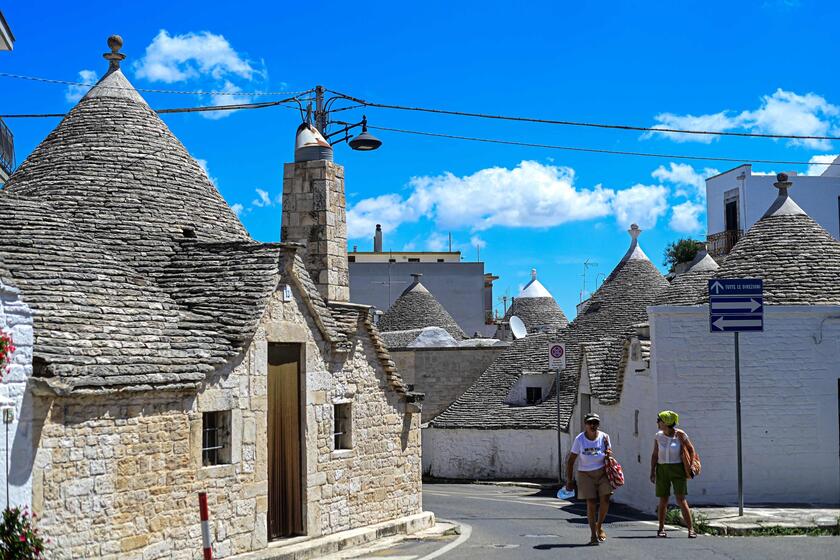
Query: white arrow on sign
[
  {"x": 752, "y": 305},
  {"x": 717, "y": 287},
  {"x": 723, "y": 322}
]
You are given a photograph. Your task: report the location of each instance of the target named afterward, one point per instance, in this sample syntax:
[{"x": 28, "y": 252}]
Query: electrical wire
[
  {"x": 148, "y": 90},
  {"x": 578, "y": 123},
  {"x": 592, "y": 150},
  {"x": 204, "y": 108}
]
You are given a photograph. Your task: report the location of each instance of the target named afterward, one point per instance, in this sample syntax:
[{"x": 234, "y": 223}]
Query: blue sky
[{"x": 763, "y": 66}]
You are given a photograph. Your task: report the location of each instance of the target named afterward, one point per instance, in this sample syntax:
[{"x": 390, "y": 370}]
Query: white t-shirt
[
  {"x": 590, "y": 453},
  {"x": 669, "y": 448}
]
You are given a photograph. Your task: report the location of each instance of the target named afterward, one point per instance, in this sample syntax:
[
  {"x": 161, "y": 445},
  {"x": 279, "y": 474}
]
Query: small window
[
  {"x": 351, "y": 258},
  {"x": 215, "y": 438},
  {"x": 413, "y": 260},
  {"x": 533, "y": 395},
  {"x": 392, "y": 260},
  {"x": 593, "y": 307},
  {"x": 343, "y": 421},
  {"x": 440, "y": 260}
]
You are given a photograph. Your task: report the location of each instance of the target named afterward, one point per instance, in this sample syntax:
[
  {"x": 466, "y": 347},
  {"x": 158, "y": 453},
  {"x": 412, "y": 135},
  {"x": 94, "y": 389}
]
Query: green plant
[
  {"x": 699, "y": 521},
  {"x": 19, "y": 538},
  {"x": 681, "y": 251}
]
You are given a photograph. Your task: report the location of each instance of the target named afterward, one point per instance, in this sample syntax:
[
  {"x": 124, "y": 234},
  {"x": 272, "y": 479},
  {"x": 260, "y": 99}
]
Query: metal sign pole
[
  {"x": 559, "y": 433},
  {"x": 738, "y": 426}
]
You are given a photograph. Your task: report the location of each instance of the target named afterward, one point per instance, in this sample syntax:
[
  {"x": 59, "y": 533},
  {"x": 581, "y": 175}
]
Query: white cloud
[
  {"x": 476, "y": 241},
  {"x": 683, "y": 174},
  {"x": 263, "y": 200},
  {"x": 783, "y": 112},
  {"x": 819, "y": 163},
  {"x": 73, "y": 92},
  {"x": 531, "y": 195},
  {"x": 437, "y": 242},
  {"x": 640, "y": 204},
  {"x": 183, "y": 57},
  {"x": 685, "y": 217},
  {"x": 218, "y": 99},
  {"x": 237, "y": 209}
]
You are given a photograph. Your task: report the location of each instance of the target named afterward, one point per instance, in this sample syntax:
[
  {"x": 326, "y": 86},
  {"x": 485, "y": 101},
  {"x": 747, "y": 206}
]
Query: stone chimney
[
  {"x": 377, "y": 239},
  {"x": 314, "y": 214}
]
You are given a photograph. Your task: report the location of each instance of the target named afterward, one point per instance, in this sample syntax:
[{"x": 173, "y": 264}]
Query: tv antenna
[{"x": 586, "y": 265}]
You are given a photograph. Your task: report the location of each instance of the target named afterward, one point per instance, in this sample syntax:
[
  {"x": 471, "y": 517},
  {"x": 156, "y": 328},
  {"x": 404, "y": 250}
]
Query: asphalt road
[{"x": 513, "y": 523}]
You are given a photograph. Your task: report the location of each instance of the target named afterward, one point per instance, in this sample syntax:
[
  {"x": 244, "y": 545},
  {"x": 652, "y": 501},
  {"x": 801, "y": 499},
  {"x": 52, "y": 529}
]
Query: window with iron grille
[
  {"x": 343, "y": 426},
  {"x": 215, "y": 438},
  {"x": 533, "y": 395}
]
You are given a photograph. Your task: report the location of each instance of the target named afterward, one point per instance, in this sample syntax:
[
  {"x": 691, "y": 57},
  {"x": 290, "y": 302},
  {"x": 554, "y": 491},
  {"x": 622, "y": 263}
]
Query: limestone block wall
[
  {"x": 16, "y": 320},
  {"x": 789, "y": 394},
  {"x": 118, "y": 475},
  {"x": 489, "y": 454},
  {"x": 443, "y": 374},
  {"x": 314, "y": 213}
]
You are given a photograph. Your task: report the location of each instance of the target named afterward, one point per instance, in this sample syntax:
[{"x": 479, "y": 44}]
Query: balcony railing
[
  {"x": 719, "y": 244},
  {"x": 7, "y": 150}
]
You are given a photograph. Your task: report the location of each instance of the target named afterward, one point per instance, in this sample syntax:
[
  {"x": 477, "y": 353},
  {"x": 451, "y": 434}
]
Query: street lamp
[{"x": 364, "y": 142}]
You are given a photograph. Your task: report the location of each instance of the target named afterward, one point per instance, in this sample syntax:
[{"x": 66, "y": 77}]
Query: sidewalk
[{"x": 769, "y": 519}]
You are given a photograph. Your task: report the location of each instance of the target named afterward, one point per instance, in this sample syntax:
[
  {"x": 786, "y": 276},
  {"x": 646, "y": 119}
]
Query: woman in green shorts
[{"x": 667, "y": 468}]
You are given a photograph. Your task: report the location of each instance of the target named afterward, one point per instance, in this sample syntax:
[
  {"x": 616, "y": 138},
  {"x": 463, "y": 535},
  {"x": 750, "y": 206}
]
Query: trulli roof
[
  {"x": 797, "y": 259},
  {"x": 537, "y": 309},
  {"x": 417, "y": 308},
  {"x": 614, "y": 308}
]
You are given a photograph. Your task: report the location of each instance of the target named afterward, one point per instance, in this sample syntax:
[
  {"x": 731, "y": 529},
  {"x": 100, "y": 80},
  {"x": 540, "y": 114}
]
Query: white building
[
  {"x": 790, "y": 375},
  {"x": 737, "y": 198}
]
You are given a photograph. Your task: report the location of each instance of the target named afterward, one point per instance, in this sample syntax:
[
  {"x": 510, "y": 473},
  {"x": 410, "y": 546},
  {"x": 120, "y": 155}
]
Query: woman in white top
[
  {"x": 591, "y": 449},
  {"x": 667, "y": 468}
]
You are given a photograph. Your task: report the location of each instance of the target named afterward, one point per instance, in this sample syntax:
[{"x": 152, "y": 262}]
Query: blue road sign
[{"x": 736, "y": 305}]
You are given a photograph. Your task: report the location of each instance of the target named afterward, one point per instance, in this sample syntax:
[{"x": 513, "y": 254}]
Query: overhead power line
[
  {"x": 593, "y": 150},
  {"x": 579, "y": 123},
  {"x": 148, "y": 90},
  {"x": 200, "y": 109}
]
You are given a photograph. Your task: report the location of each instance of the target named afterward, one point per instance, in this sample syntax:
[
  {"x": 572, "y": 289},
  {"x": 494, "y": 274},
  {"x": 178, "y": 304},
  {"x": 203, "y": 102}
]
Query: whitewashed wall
[
  {"x": 632, "y": 443},
  {"x": 789, "y": 401},
  {"x": 490, "y": 454},
  {"x": 16, "y": 319}
]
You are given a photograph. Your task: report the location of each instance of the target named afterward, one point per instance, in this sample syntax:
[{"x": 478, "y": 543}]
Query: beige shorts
[{"x": 591, "y": 484}]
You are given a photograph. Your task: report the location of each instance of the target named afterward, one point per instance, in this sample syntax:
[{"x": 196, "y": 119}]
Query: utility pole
[{"x": 320, "y": 113}]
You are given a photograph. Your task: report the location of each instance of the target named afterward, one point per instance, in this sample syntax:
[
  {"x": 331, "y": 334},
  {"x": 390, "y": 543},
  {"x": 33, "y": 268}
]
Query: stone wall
[
  {"x": 16, "y": 320},
  {"x": 314, "y": 213},
  {"x": 118, "y": 475},
  {"x": 443, "y": 374}
]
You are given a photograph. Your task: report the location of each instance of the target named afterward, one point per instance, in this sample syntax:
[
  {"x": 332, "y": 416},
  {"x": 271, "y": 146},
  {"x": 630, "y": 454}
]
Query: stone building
[
  {"x": 173, "y": 354},
  {"x": 537, "y": 309},
  {"x": 505, "y": 425},
  {"x": 414, "y": 310}
]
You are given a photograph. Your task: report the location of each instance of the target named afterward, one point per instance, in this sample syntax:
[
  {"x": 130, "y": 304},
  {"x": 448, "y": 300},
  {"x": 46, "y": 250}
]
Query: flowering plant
[
  {"x": 18, "y": 536},
  {"x": 6, "y": 349}
]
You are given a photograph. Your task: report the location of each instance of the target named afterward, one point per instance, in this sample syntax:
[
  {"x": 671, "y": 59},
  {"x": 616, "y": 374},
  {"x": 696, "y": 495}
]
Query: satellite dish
[{"x": 517, "y": 327}]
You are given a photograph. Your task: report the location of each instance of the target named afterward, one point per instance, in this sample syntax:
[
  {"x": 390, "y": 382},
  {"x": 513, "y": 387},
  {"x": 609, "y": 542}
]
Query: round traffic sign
[{"x": 557, "y": 351}]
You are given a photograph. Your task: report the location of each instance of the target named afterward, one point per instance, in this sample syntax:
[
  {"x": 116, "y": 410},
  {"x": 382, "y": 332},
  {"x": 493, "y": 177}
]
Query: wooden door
[{"x": 285, "y": 486}]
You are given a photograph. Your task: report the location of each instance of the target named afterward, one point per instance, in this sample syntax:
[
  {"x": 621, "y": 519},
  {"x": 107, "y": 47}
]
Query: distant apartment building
[
  {"x": 378, "y": 278},
  {"x": 7, "y": 141},
  {"x": 738, "y": 198}
]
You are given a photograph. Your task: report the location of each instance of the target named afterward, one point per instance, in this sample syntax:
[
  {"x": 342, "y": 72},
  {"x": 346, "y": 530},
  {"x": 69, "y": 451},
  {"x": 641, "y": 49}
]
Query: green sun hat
[{"x": 670, "y": 417}]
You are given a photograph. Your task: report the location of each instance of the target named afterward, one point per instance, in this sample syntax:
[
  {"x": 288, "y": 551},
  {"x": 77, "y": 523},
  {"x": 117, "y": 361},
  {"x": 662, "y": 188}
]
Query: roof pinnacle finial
[
  {"x": 533, "y": 274},
  {"x": 416, "y": 276},
  {"x": 634, "y": 231},
  {"x": 114, "y": 57},
  {"x": 783, "y": 184}
]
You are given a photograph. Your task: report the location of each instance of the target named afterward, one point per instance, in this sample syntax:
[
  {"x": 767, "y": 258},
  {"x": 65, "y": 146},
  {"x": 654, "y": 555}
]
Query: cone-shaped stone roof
[
  {"x": 619, "y": 303},
  {"x": 536, "y": 307},
  {"x": 114, "y": 168},
  {"x": 798, "y": 260},
  {"x": 688, "y": 287},
  {"x": 417, "y": 308}
]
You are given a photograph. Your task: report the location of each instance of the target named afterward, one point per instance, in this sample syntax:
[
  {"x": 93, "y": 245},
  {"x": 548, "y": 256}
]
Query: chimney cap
[{"x": 310, "y": 145}]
